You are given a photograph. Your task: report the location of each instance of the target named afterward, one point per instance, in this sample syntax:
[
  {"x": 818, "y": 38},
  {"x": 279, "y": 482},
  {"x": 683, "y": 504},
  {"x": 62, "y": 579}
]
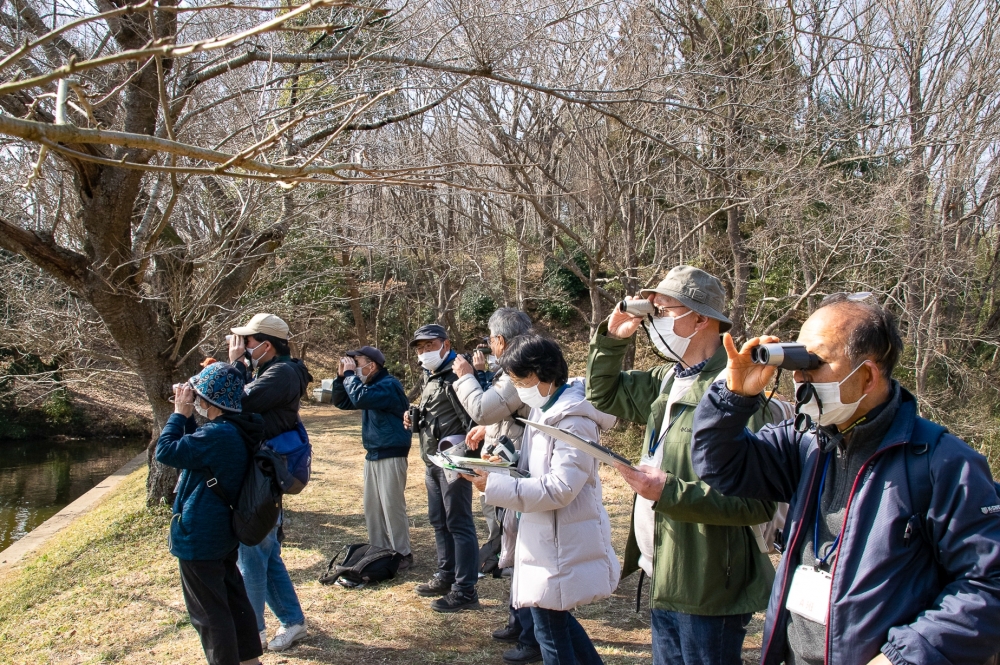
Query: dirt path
[{"x": 107, "y": 589}]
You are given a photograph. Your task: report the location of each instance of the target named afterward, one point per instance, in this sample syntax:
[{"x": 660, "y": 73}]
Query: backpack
[
  {"x": 295, "y": 448},
  {"x": 363, "y": 564},
  {"x": 258, "y": 506}
]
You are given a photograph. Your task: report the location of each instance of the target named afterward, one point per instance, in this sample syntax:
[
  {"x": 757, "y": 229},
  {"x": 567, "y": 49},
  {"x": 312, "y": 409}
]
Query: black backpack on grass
[
  {"x": 258, "y": 506},
  {"x": 363, "y": 564}
]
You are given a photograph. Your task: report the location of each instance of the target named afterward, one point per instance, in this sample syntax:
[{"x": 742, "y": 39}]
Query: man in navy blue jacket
[
  {"x": 201, "y": 533},
  {"x": 893, "y": 530},
  {"x": 363, "y": 383}
]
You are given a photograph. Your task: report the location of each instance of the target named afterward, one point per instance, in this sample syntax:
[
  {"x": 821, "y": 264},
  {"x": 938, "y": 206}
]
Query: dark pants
[
  {"x": 693, "y": 638},
  {"x": 562, "y": 639},
  {"x": 521, "y": 620},
  {"x": 220, "y": 610},
  {"x": 449, "y": 509}
]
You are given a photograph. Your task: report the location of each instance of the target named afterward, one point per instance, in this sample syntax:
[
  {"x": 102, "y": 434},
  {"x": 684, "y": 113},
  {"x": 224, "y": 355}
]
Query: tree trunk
[
  {"x": 354, "y": 293},
  {"x": 741, "y": 271}
]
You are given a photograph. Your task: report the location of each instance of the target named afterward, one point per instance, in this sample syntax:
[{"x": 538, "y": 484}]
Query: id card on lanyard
[{"x": 812, "y": 587}]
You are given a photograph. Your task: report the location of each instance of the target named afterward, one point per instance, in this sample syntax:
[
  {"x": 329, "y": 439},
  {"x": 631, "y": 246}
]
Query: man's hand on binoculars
[
  {"x": 461, "y": 366},
  {"x": 745, "y": 377},
  {"x": 623, "y": 325}
]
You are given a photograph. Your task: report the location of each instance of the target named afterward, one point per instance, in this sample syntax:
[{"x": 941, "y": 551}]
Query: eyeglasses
[
  {"x": 519, "y": 383},
  {"x": 662, "y": 310}
]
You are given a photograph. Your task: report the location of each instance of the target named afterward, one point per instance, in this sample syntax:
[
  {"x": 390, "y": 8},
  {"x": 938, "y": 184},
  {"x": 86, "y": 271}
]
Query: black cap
[
  {"x": 430, "y": 331},
  {"x": 369, "y": 352}
]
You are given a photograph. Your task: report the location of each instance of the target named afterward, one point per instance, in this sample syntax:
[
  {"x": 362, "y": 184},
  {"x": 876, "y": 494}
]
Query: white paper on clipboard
[{"x": 592, "y": 448}]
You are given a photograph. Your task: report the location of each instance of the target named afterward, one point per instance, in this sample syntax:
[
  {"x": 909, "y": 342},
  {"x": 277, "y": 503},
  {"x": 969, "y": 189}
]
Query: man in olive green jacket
[{"x": 708, "y": 573}]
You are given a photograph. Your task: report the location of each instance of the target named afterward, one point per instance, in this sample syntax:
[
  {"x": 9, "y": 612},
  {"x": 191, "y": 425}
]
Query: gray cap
[
  {"x": 697, "y": 290},
  {"x": 430, "y": 331}
]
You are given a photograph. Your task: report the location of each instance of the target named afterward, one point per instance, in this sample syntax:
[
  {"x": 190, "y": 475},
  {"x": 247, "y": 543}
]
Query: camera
[
  {"x": 415, "y": 419},
  {"x": 637, "y": 308},
  {"x": 786, "y": 355}
]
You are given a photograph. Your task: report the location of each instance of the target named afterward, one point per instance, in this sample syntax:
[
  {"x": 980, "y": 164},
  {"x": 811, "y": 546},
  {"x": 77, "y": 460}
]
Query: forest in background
[{"x": 361, "y": 169}]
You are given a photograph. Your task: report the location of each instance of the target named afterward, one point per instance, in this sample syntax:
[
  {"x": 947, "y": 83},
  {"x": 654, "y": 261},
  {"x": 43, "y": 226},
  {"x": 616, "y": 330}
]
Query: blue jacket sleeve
[
  {"x": 485, "y": 379},
  {"x": 963, "y": 624},
  {"x": 179, "y": 449},
  {"x": 379, "y": 396},
  {"x": 338, "y": 396},
  {"x": 734, "y": 460}
]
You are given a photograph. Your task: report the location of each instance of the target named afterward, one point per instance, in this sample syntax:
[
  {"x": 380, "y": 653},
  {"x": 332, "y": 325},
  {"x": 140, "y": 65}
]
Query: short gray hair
[{"x": 509, "y": 323}]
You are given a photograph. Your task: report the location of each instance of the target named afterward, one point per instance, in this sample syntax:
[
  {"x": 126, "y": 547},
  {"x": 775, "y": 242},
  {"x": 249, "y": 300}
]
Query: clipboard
[{"x": 592, "y": 448}]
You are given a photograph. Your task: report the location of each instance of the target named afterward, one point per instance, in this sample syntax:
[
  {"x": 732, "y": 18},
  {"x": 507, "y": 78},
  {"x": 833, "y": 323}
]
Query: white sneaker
[
  {"x": 263, "y": 640},
  {"x": 287, "y": 636}
]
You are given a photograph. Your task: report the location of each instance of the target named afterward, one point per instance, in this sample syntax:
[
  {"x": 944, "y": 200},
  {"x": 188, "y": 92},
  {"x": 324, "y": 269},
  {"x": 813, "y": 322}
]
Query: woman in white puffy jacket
[{"x": 563, "y": 557}]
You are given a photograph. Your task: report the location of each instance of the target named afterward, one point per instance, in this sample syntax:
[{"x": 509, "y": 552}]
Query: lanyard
[
  {"x": 656, "y": 438},
  {"x": 819, "y": 505}
]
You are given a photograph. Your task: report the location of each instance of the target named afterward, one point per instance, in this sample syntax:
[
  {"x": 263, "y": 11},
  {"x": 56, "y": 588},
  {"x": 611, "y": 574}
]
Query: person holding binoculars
[
  {"x": 442, "y": 424},
  {"x": 893, "y": 525},
  {"x": 708, "y": 575},
  {"x": 498, "y": 410},
  {"x": 363, "y": 383}
]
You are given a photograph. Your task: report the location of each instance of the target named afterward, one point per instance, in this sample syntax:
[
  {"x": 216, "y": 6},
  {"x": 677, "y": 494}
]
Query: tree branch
[
  {"x": 66, "y": 265},
  {"x": 68, "y": 134}
]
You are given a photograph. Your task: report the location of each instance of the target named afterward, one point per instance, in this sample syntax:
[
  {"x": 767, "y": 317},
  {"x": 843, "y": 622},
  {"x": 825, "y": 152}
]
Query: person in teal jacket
[
  {"x": 363, "y": 383},
  {"x": 708, "y": 575},
  {"x": 201, "y": 533}
]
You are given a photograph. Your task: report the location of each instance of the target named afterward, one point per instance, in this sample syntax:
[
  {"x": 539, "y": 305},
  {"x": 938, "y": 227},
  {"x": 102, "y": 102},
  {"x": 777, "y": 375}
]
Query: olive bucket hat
[
  {"x": 697, "y": 290},
  {"x": 221, "y": 385}
]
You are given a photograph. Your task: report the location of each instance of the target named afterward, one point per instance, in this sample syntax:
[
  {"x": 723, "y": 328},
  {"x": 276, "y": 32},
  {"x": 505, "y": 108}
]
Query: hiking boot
[
  {"x": 434, "y": 587},
  {"x": 405, "y": 563},
  {"x": 457, "y": 601},
  {"x": 263, "y": 640},
  {"x": 508, "y": 633},
  {"x": 521, "y": 654},
  {"x": 286, "y": 636}
]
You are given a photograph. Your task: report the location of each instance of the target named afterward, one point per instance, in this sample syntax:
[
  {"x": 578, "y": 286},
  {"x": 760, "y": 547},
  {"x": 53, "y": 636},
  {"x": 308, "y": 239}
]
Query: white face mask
[
  {"x": 532, "y": 397},
  {"x": 365, "y": 375},
  {"x": 202, "y": 411},
  {"x": 834, "y": 411},
  {"x": 255, "y": 361},
  {"x": 492, "y": 362},
  {"x": 430, "y": 360},
  {"x": 666, "y": 341}
]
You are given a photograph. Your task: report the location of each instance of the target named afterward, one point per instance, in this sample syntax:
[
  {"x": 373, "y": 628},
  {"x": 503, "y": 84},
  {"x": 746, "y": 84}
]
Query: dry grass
[{"x": 107, "y": 590}]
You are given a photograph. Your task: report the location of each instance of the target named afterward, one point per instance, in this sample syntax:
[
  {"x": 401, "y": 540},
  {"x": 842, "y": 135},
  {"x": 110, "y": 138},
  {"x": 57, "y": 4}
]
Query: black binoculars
[
  {"x": 786, "y": 355},
  {"x": 415, "y": 419}
]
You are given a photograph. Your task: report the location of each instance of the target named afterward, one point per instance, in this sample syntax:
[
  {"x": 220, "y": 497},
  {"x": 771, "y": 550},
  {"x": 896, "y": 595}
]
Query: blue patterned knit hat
[{"x": 221, "y": 385}]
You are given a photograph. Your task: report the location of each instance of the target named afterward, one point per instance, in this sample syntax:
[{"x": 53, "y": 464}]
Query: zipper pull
[
  {"x": 729, "y": 570},
  {"x": 908, "y": 533}
]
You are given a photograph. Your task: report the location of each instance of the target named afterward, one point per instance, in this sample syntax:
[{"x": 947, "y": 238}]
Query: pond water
[{"x": 40, "y": 478}]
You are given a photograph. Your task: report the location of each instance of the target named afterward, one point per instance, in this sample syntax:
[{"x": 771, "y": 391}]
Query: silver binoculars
[
  {"x": 638, "y": 308},
  {"x": 786, "y": 355}
]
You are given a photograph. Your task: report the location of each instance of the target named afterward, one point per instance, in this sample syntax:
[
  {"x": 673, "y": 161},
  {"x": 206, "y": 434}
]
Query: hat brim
[
  {"x": 724, "y": 323},
  {"x": 358, "y": 352},
  {"x": 243, "y": 331},
  {"x": 422, "y": 338}
]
